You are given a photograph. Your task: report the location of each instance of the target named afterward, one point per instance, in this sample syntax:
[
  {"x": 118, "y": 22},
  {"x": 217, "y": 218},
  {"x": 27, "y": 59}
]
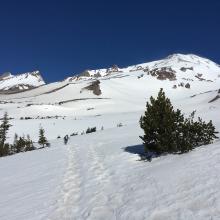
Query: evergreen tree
[
  {"x": 42, "y": 139},
  {"x": 13, "y": 149},
  {"x": 160, "y": 124},
  {"x": 167, "y": 131},
  {"x": 29, "y": 144},
  {"x": 20, "y": 146},
  {"x": 4, "y": 127}
]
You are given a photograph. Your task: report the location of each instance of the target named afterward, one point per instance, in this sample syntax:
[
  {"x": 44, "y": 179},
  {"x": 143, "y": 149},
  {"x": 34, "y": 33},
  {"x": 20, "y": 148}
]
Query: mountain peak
[{"x": 16, "y": 83}]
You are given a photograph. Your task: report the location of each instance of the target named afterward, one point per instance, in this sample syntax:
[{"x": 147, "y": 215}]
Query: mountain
[
  {"x": 174, "y": 65},
  {"x": 99, "y": 175},
  {"x": 183, "y": 77},
  {"x": 16, "y": 83}
]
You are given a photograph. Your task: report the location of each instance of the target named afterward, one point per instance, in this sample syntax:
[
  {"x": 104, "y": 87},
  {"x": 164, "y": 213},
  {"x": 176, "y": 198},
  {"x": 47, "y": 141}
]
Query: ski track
[{"x": 96, "y": 186}]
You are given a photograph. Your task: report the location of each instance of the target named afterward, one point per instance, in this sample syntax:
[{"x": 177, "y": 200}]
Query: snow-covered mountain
[
  {"x": 16, "y": 83},
  {"x": 98, "y": 176},
  {"x": 176, "y": 65},
  {"x": 183, "y": 77}
]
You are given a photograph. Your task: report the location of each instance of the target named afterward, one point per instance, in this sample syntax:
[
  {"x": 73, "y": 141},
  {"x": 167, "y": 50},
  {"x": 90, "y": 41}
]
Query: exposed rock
[
  {"x": 95, "y": 87},
  {"x": 113, "y": 69},
  {"x": 186, "y": 68},
  {"x": 97, "y": 75},
  {"x": 146, "y": 69},
  {"x": 163, "y": 73},
  {"x": 136, "y": 68},
  {"x": 174, "y": 86}
]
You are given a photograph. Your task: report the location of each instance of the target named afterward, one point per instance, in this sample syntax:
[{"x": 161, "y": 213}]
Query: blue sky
[{"x": 64, "y": 37}]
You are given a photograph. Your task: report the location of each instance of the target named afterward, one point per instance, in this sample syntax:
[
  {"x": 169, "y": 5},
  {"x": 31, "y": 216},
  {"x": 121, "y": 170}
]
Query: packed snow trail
[{"x": 103, "y": 181}]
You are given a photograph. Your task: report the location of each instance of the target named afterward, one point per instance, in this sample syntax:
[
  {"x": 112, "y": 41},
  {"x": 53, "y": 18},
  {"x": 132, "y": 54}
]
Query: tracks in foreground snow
[{"x": 104, "y": 182}]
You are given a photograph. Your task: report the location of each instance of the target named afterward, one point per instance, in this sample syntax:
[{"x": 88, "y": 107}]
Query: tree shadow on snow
[
  {"x": 136, "y": 149},
  {"x": 139, "y": 150}
]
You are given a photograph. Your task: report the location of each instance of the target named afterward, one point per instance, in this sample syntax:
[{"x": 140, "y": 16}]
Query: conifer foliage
[
  {"x": 20, "y": 144},
  {"x": 4, "y": 127},
  {"x": 167, "y": 131},
  {"x": 42, "y": 139}
]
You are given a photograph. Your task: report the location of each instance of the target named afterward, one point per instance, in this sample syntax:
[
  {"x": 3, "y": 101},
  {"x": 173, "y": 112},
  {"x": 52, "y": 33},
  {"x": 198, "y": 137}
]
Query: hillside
[{"x": 99, "y": 176}]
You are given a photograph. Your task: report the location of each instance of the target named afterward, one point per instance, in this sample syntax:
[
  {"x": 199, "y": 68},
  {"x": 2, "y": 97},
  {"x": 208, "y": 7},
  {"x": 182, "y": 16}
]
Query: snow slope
[{"x": 98, "y": 176}]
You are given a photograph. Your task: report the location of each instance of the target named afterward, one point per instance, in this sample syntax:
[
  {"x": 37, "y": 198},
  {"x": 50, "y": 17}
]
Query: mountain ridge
[{"x": 168, "y": 68}]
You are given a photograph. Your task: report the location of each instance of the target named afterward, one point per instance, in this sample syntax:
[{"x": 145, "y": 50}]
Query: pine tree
[
  {"x": 13, "y": 149},
  {"x": 167, "y": 131},
  {"x": 4, "y": 127},
  {"x": 20, "y": 145},
  {"x": 29, "y": 144},
  {"x": 160, "y": 123},
  {"x": 42, "y": 139}
]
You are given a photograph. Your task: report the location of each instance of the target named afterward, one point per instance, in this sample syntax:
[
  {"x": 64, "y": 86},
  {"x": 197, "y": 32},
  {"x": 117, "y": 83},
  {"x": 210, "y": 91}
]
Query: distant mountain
[{"x": 16, "y": 83}]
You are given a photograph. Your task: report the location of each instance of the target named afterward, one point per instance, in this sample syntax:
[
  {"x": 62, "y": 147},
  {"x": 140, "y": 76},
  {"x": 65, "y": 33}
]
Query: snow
[
  {"x": 29, "y": 183},
  {"x": 22, "y": 81},
  {"x": 99, "y": 176},
  {"x": 96, "y": 177}
]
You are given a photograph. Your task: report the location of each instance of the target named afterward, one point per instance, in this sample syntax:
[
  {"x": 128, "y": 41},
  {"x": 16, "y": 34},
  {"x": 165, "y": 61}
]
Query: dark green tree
[
  {"x": 160, "y": 123},
  {"x": 29, "y": 146},
  {"x": 42, "y": 139},
  {"x": 167, "y": 131},
  {"x": 4, "y": 127}
]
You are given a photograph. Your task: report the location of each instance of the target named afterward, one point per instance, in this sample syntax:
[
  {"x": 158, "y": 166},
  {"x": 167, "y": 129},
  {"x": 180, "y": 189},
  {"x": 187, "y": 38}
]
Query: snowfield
[{"x": 99, "y": 176}]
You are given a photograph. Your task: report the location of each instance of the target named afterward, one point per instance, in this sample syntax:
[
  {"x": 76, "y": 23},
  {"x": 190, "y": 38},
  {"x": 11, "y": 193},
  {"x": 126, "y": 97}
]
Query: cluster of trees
[
  {"x": 167, "y": 130},
  {"x": 20, "y": 144},
  {"x": 90, "y": 130}
]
